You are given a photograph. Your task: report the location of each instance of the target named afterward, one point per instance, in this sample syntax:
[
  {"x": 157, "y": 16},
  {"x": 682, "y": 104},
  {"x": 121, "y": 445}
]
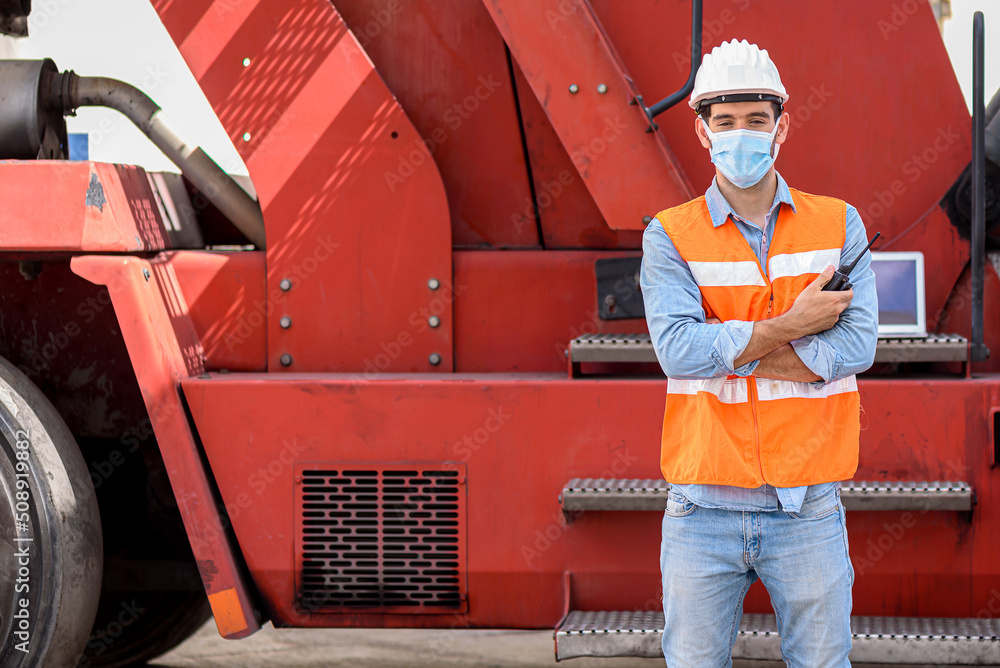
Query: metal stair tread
[
  {"x": 615, "y": 347},
  {"x": 961, "y": 641},
  {"x": 651, "y": 494}
]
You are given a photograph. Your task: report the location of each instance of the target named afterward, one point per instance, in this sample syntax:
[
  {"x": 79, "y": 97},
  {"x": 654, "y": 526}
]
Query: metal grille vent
[{"x": 385, "y": 538}]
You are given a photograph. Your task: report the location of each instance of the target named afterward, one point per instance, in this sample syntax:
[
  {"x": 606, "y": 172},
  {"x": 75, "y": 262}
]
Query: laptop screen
[{"x": 899, "y": 283}]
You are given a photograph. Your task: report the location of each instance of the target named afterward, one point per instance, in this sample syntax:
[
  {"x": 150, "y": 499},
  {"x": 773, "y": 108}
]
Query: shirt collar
[{"x": 719, "y": 208}]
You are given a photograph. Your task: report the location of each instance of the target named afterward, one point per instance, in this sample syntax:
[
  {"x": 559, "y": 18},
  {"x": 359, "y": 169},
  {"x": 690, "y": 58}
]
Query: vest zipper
[
  {"x": 752, "y": 380},
  {"x": 752, "y": 396}
]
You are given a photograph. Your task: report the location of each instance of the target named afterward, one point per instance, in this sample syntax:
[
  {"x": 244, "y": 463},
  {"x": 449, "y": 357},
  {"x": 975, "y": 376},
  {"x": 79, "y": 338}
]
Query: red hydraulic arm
[{"x": 588, "y": 96}]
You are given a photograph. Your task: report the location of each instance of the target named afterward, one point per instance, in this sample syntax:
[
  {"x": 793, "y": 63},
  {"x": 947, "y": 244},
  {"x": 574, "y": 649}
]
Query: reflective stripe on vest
[
  {"x": 734, "y": 390},
  {"x": 807, "y": 262},
  {"x": 747, "y": 431},
  {"x": 726, "y": 274}
]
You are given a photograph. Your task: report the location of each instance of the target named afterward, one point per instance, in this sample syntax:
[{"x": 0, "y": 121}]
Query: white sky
[
  {"x": 132, "y": 45},
  {"x": 958, "y": 41}
]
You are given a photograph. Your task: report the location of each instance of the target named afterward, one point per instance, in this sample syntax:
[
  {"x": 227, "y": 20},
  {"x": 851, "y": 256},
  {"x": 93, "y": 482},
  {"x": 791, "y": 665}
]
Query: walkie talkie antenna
[
  {"x": 841, "y": 278},
  {"x": 850, "y": 267}
]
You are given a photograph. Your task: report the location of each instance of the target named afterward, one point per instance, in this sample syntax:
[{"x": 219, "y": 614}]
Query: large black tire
[
  {"x": 51, "y": 557},
  {"x": 160, "y": 621}
]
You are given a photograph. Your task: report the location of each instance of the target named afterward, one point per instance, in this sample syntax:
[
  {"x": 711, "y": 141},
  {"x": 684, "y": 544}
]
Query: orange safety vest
[{"x": 748, "y": 431}]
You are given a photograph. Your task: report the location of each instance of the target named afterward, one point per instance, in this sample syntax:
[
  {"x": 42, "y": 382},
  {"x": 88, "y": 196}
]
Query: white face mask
[{"x": 743, "y": 156}]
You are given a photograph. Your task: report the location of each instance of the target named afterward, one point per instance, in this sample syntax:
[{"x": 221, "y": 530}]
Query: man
[{"x": 762, "y": 410}]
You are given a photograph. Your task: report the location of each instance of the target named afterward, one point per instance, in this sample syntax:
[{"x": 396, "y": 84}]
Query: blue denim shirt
[{"x": 687, "y": 347}]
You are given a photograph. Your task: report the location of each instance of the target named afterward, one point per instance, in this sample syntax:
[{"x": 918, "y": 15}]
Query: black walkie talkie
[{"x": 840, "y": 281}]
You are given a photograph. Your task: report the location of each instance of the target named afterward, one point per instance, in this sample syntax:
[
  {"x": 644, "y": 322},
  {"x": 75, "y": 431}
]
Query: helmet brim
[{"x": 719, "y": 97}]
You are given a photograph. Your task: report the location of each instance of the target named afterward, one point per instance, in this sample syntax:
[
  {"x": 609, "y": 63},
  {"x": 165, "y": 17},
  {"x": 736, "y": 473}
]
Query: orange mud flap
[{"x": 164, "y": 349}]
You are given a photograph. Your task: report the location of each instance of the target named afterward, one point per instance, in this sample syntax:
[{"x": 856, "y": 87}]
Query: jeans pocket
[
  {"x": 678, "y": 505},
  {"x": 821, "y": 505}
]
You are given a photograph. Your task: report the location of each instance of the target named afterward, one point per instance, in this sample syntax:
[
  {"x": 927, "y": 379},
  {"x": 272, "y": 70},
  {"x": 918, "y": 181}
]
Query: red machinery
[{"x": 415, "y": 405}]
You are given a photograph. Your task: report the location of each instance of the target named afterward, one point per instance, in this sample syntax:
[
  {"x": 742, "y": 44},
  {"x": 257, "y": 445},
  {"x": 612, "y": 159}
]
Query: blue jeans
[{"x": 709, "y": 558}]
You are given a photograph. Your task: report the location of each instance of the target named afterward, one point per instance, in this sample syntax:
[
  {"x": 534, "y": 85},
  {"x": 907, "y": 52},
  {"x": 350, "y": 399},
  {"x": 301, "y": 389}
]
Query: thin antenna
[{"x": 850, "y": 267}]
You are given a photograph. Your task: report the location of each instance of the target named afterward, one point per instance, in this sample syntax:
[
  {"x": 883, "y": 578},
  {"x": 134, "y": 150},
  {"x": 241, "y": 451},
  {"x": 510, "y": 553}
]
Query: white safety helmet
[{"x": 736, "y": 72}]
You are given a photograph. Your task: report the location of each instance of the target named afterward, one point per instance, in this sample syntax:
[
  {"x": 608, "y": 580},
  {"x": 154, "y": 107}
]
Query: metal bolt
[
  {"x": 433, "y": 321},
  {"x": 609, "y": 300},
  {"x": 433, "y": 284},
  {"x": 434, "y": 359},
  {"x": 246, "y": 136},
  {"x": 646, "y": 220},
  {"x": 286, "y": 360},
  {"x": 246, "y": 62},
  {"x": 602, "y": 89},
  {"x": 574, "y": 89},
  {"x": 145, "y": 272},
  {"x": 285, "y": 322},
  {"x": 285, "y": 284}
]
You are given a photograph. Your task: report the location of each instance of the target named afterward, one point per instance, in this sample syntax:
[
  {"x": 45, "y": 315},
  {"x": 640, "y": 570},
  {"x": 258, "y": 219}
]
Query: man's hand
[
  {"x": 815, "y": 311},
  {"x": 812, "y": 312}
]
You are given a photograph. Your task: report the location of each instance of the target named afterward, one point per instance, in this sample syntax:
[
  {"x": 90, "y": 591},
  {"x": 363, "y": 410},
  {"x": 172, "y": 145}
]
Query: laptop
[{"x": 899, "y": 283}]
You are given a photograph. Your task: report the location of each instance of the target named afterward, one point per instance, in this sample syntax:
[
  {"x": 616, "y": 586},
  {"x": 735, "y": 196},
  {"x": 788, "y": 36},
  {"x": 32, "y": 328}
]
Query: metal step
[
  {"x": 610, "y": 494},
  {"x": 889, "y": 640},
  {"x": 638, "y": 348}
]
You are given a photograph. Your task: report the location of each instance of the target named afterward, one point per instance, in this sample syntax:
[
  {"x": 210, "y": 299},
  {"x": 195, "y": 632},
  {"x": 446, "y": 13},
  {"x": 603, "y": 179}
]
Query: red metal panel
[
  {"x": 523, "y": 436},
  {"x": 945, "y": 256},
  {"x": 322, "y": 136},
  {"x": 73, "y": 206},
  {"x": 568, "y": 216},
  {"x": 956, "y": 316},
  {"x": 494, "y": 426},
  {"x": 518, "y": 311},
  {"x": 163, "y": 347},
  {"x": 447, "y": 65},
  {"x": 227, "y": 305},
  {"x": 559, "y": 43}
]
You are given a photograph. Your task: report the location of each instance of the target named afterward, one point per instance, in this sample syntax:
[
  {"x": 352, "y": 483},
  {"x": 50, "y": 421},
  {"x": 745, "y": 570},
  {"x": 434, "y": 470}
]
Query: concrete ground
[{"x": 390, "y": 648}]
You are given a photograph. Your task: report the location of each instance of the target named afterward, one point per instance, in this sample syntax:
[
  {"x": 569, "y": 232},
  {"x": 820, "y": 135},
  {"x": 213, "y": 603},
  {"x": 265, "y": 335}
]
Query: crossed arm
[
  {"x": 836, "y": 337},
  {"x": 770, "y": 340}
]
